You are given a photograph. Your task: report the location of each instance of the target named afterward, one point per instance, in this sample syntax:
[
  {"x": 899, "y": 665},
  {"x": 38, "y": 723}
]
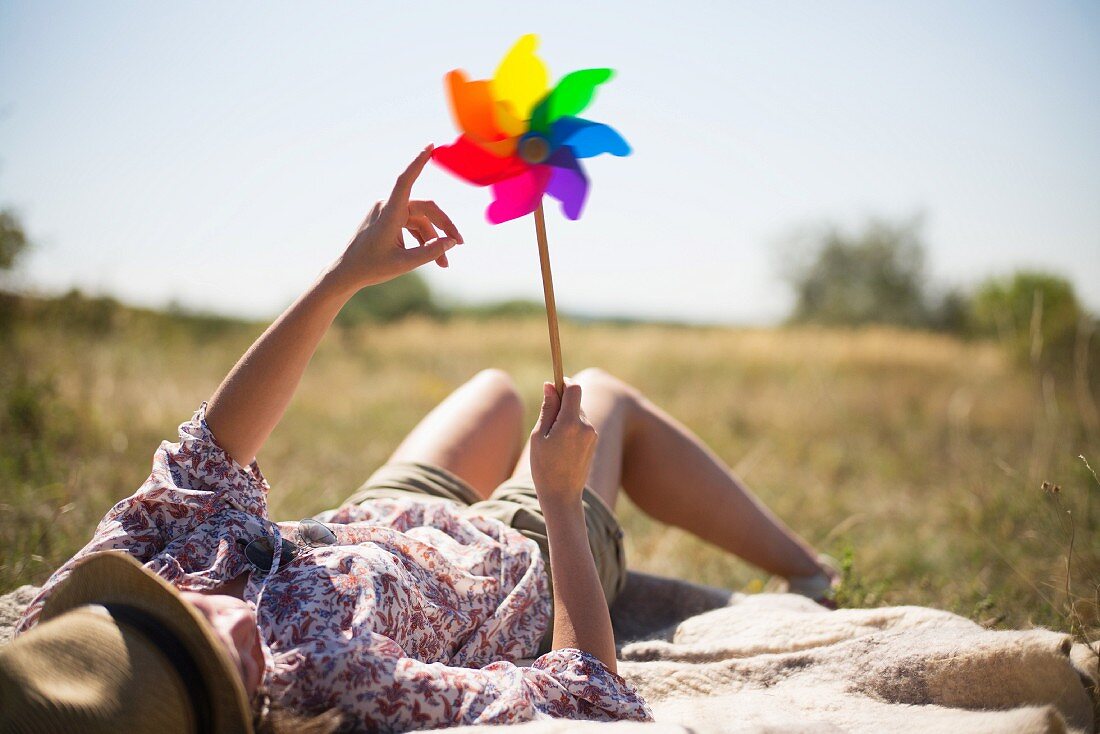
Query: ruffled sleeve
[
  {"x": 382, "y": 690},
  {"x": 190, "y": 480},
  {"x": 577, "y": 678}
]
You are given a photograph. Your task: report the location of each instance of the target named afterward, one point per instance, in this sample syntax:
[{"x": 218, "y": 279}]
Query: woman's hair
[{"x": 275, "y": 719}]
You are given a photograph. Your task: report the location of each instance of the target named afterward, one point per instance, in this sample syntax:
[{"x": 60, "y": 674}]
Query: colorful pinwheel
[{"x": 523, "y": 139}]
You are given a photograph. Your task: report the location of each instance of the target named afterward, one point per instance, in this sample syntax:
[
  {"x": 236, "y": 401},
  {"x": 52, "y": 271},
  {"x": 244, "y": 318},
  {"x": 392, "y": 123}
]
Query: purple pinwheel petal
[
  {"x": 568, "y": 183},
  {"x": 587, "y": 138}
]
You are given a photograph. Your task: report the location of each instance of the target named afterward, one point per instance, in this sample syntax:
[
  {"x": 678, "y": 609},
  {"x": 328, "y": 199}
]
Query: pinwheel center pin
[
  {"x": 524, "y": 140},
  {"x": 533, "y": 148}
]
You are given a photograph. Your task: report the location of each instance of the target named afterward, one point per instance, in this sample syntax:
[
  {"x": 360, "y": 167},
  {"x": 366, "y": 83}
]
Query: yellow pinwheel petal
[
  {"x": 521, "y": 80},
  {"x": 507, "y": 120}
]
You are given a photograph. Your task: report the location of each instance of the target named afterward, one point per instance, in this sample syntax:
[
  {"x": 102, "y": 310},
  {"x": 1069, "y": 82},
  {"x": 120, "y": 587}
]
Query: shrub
[
  {"x": 875, "y": 276},
  {"x": 1036, "y": 314},
  {"x": 13, "y": 241},
  {"x": 390, "y": 301}
]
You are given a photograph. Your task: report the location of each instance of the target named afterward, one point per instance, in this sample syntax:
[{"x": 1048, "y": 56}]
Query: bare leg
[
  {"x": 474, "y": 433},
  {"x": 671, "y": 475}
]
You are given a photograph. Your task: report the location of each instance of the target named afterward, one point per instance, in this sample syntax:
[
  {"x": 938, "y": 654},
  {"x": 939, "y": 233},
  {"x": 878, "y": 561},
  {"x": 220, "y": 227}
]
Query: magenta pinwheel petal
[
  {"x": 567, "y": 184},
  {"x": 587, "y": 138},
  {"x": 468, "y": 160},
  {"x": 519, "y": 195}
]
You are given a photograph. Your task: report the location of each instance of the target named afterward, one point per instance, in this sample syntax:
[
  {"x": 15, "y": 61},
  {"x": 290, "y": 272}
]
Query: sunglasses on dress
[{"x": 261, "y": 555}]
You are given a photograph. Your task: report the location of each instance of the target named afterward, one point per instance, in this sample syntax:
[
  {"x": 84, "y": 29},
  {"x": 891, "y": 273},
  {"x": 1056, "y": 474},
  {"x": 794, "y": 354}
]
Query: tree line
[
  {"x": 874, "y": 275},
  {"x": 878, "y": 275}
]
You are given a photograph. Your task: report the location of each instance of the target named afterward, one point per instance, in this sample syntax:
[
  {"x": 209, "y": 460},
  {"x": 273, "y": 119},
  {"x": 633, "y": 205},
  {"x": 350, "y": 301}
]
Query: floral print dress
[{"x": 412, "y": 620}]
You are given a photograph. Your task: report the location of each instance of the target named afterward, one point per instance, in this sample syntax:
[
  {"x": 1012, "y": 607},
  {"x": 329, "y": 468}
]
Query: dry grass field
[{"x": 917, "y": 459}]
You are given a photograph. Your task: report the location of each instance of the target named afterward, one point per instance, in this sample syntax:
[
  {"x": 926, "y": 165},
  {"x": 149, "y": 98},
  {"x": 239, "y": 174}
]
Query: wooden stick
[{"x": 548, "y": 296}]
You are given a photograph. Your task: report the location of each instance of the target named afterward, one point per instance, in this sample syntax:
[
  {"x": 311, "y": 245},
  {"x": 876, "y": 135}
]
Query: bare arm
[
  {"x": 252, "y": 398},
  {"x": 562, "y": 446}
]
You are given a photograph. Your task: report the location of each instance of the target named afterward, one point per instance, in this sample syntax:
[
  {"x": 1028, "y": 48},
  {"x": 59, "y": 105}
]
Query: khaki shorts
[{"x": 515, "y": 504}]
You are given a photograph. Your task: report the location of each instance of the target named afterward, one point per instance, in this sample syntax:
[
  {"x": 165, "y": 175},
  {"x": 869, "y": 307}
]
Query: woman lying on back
[{"x": 415, "y": 603}]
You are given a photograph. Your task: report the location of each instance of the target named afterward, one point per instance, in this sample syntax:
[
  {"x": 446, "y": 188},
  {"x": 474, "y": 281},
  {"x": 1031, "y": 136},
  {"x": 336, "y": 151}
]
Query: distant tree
[
  {"x": 13, "y": 240},
  {"x": 873, "y": 276},
  {"x": 508, "y": 309},
  {"x": 951, "y": 312},
  {"x": 1033, "y": 312},
  {"x": 389, "y": 301},
  {"x": 13, "y": 243}
]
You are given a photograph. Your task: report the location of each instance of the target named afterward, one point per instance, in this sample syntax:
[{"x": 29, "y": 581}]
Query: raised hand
[{"x": 377, "y": 252}]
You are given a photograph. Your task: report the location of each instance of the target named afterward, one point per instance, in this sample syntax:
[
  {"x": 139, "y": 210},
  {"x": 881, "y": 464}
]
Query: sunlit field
[{"x": 918, "y": 460}]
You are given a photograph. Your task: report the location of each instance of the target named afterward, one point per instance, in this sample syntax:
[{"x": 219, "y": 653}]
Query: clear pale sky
[{"x": 220, "y": 154}]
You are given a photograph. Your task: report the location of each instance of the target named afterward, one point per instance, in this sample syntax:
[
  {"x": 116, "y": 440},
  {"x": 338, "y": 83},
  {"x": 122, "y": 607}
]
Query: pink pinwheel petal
[
  {"x": 518, "y": 195},
  {"x": 568, "y": 183},
  {"x": 470, "y": 161}
]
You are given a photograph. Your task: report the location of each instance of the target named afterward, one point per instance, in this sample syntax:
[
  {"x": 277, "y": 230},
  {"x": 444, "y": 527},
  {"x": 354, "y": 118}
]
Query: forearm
[
  {"x": 581, "y": 617},
  {"x": 252, "y": 398}
]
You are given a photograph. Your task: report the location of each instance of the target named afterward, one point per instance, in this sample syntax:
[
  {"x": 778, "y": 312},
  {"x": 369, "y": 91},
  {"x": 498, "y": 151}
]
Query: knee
[
  {"x": 595, "y": 379},
  {"x": 500, "y": 389}
]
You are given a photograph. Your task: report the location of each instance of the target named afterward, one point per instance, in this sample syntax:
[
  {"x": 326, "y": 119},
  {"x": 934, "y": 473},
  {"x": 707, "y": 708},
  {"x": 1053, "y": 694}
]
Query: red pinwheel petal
[
  {"x": 518, "y": 195},
  {"x": 467, "y": 160},
  {"x": 568, "y": 183}
]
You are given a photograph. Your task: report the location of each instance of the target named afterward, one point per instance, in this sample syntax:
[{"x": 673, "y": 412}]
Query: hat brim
[{"x": 114, "y": 577}]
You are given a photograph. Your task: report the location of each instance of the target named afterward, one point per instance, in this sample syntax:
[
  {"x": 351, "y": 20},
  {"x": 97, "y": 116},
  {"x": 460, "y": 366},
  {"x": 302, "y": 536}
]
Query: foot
[{"x": 821, "y": 586}]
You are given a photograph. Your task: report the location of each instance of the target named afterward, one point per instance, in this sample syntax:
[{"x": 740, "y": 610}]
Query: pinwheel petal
[
  {"x": 587, "y": 138},
  {"x": 522, "y": 79},
  {"x": 518, "y": 195},
  {"x": 507, "y": 121},
  {"x": 572, "y": 94},
  {"x": 468, "y": 160},
  {"x": 567, "y": 184},
  {"x": 473, "y": 107}
]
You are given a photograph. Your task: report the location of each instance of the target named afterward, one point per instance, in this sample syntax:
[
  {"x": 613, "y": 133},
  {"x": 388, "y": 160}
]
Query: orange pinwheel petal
[
  {"x": 468, "y": 160},
  {"x": 500, "y": 148},
  {"x": 473, "y": 107}
]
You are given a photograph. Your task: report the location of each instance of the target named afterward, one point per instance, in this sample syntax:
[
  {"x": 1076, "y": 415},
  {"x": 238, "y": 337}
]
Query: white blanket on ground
[{"x": 780, "y": 663}]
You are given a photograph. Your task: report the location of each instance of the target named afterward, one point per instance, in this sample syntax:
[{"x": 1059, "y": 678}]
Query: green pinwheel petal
[{"x": 572, "y": 94}]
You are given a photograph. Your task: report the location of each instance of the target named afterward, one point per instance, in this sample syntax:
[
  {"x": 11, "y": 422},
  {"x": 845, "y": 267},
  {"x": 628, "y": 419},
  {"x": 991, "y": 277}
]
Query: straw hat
[{"x": 118, "y": 650}]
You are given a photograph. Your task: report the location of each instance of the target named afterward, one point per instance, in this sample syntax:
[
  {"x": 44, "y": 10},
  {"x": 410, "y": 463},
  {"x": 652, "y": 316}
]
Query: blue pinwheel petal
[
  {"x": 567, "y": 184},
  {"x": 587, "y": 138}
]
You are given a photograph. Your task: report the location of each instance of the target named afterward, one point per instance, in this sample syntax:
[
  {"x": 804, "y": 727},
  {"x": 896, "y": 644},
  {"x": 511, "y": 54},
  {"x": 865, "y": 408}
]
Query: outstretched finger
[
  {"x": 399, "y": 198},
  {"x": 438, "y": 217}
]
